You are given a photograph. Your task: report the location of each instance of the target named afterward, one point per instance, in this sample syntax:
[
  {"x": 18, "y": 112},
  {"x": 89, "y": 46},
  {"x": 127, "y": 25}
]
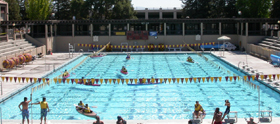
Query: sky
[{"x": 156, "y": 4}]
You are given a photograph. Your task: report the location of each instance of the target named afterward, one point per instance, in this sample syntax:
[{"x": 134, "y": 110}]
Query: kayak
[
  {"x": 92, "y": 114},
  {"x": 66, "y": 76},
  {"x": 141, "y": 84},
  {"x": 89, "y": 84},
  {"x": 124, "y": 72}
]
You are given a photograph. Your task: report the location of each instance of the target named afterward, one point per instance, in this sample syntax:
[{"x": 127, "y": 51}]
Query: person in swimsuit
[
  {"x": 44, "y": 106},
  {"x": 197, "y": 108},
  {"x": 121, "y": 120},
  {"x": 124, "y": 69},
  {"x": 227, "y": 109},
  {"x": 25, "y": 112},
  {"x": 251, "y": 121},
  {"x": 98, "y": 121},
  {"x": 128, "y": 56},
  {"x": 65, "y": 73},
  {"x": 217, "y": 117}
]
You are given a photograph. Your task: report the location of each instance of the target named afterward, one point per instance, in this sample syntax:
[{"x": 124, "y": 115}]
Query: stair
[{"x": 14, "y": 46}]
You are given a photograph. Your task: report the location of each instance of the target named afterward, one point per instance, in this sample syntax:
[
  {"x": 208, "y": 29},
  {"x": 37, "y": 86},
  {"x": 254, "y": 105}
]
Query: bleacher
[
  {"x": 14, "y": 46},
  {"x": 271, "y": 43}
]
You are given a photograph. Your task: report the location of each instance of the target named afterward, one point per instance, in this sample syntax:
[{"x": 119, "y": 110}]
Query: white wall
[{"x": 60, "y": 43}]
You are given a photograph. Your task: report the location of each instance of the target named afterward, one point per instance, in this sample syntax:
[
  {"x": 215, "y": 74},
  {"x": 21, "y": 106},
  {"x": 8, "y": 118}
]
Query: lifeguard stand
[
  {"x": 232, "y": 117},
  {"x": 71, "y": 49},
  {"x": 266, "y": 116},
  {"x": 125, "y": 44}
]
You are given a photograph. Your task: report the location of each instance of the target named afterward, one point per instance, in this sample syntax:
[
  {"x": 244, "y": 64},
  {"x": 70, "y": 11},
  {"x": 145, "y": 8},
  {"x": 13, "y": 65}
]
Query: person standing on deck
[
  {"x": 25, "y": 112},
  {"x": 44, "y": 106}
]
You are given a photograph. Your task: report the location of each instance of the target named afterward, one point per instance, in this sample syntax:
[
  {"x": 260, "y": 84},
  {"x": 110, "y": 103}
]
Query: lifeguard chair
[
  {"x": 232, "y": 117},
  {"x": 266, "y": 116},
  {"x": 124, "y": 46}
]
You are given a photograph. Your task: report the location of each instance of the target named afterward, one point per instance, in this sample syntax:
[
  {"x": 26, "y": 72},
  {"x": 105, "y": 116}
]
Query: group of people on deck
[{"x": 218, "y": 116}]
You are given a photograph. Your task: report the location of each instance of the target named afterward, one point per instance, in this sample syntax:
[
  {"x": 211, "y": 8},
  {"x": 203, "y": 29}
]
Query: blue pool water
[{"x": 162, "y": 101}]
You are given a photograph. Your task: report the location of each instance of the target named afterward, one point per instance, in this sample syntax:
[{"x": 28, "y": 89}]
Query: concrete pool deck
[{"x": 37, "y": 69}]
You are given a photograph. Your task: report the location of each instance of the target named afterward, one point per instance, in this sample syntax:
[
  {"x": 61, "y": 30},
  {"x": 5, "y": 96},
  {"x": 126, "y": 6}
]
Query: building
[
  {"x": 159, "y": 13},
  {"x": 4, "y": 16}
]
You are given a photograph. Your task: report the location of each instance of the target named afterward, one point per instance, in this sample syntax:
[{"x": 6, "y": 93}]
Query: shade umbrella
[{"x": 223, "y": 38}]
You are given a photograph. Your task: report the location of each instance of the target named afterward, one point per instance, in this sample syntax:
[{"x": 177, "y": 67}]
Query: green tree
[
  {"x": 78, "y": 9},
  {"x": 38, "y": 9},
  {"x": 62, "y": 9},
  {"x": 275, "y": 12},
  {"x": 230, "y": 9},
  {"x": 100, "y": 9},
  {"x": 254, "y": 8},
  {"x": 197, "y": 8},
  {"x": 123, "y": 10},
  {"x": 23, "y": 14},
  {"x": 217, "y": 8},
  {"x": 14, "y": 10}
]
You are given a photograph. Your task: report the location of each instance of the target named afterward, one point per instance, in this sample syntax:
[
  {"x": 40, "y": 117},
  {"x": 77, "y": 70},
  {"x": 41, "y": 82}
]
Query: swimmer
[
  {"x": 142, "y": 81},
  {"x": 124, "y": 69},
  {"x": 82, "y": 80},
  {"x": 152, "y": 80},
  {"x": 128, "y": 56},
  {"x": 65, "y": 73},
  {"x": 190, "y": 59}
]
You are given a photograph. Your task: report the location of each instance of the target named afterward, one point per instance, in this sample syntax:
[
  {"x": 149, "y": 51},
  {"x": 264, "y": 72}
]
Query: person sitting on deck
[
  {"x": 65, "y": 73},
  {"x": 197, "y": 109},
  {"x": 80, "y": 105},
  {"x": 124, "y": 69},
  {"x": 87, "y": 109}
]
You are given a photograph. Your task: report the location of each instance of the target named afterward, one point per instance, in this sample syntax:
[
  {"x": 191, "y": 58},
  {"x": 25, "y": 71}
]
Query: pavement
[{"x": 38, "y": 69}]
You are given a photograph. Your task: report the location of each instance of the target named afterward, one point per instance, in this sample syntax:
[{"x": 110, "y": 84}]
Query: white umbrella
[{"x": 223, "y": 38}]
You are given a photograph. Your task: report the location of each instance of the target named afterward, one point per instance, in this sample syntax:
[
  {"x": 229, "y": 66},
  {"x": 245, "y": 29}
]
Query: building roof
[
  {"x": 3, "y": 2},
  {"x": 125, "y": 21}
]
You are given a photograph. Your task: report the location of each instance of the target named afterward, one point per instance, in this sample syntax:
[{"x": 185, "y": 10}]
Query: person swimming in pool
[
  {"x": 124, "y": 69},
  {"x": 65, "y": 73},
  {"x": 190, "y": 59},
  {"x": 152, "y": 80},
  {"x": 81, "y": 81},
  {"x": 128, "y": 56}
]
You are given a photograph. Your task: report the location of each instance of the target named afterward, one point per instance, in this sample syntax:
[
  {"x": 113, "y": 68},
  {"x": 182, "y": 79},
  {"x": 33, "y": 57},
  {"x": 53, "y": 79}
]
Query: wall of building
[{"x": 60, "y": 43}]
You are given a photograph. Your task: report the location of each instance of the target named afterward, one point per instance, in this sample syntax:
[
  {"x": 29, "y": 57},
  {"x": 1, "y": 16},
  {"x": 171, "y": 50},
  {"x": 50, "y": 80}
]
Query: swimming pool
[{"x": 163, "y": 101}]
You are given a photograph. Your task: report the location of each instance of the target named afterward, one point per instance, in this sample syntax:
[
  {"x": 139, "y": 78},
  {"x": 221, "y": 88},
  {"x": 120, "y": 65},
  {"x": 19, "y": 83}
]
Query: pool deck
[{"x": 37, "y": 69}]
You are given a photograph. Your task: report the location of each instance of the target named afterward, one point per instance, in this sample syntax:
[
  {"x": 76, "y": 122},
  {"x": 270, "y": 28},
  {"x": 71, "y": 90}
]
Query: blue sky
[{"x": 170, "y": 4}]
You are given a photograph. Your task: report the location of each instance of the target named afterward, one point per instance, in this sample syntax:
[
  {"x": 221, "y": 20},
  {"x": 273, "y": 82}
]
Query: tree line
[
  {"x": 66, "y": 9},
  {"x": 123, "y": 9},
  {"x": 231, "y": 8}
]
